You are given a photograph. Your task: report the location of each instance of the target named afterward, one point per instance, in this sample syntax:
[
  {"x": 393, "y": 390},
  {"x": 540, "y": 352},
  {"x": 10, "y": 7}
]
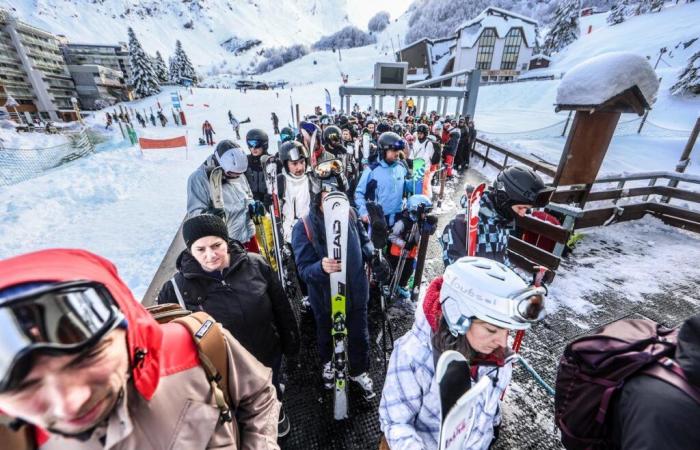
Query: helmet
[
  {"x": 331, "y": 136},
  {"x": 230, "y": 157},
  {"x": 397, "y": 128},
  {"x": 326, "y": 120},
  {"x": 309, "y": 127},
  {"x": 488, "y": 290},
  {"x": 390, "y": 141},
  {"x": 521, "y": 185},
  {"x": 292, "y": 151},
  {"x": 327, "y": 176},
  {"x": 286, "y": 134},
  {"x": 437, "y": 128},
  {"x": 312, "y": 118},
  {"x": 418, "y": 204},
  {"x": 256, "y": 138},
  {"x": 383, "y": 127},
  {"x": 423, "y": 128}
]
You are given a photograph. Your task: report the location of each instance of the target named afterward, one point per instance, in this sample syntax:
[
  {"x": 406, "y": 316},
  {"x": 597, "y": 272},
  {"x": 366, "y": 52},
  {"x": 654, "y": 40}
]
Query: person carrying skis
[
  {"x": 257, "y": 142},
  {"x": 515, "y": 191},
  {"x": 219, "y": 187},
  {"x": 461, "y": 161},
  {"x": 470, "y": 309},
  {"x": 87, "y": 367},
  {"x": 314, "y": 266},
  {"x": 404, "y": 237},
  {"x": 293, "y": 185},
  {"x": 386, "y": 181},
  {"x": 450, "y": 149},
  {"x": 239, "y": 290},
  {"x": 275, "y": 123},
  {"x": 208, "y": 132}
]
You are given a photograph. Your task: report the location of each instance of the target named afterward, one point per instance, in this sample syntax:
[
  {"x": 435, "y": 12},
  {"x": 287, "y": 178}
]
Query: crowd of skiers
[{"x": 84, "y": 365}]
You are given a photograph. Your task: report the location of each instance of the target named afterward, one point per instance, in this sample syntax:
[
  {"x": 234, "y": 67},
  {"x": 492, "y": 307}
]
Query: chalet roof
[{"x": 499, "y": 19}]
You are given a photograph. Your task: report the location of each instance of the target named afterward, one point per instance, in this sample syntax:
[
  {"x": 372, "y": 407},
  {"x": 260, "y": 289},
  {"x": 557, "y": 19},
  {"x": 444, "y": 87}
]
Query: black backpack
[{"x": 593, "y": 368}]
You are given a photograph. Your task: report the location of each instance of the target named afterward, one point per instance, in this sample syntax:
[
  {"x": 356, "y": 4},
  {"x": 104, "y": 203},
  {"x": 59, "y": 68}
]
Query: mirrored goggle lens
[
  {"x": 398, "y": 145},
  {"x": 334, "y": 137},
  {"x": 326, "y": 169},
  {"x": 254, "y": 143},
  {"x": 63, "y": 317},
  {"x": 285, "y": 137}
]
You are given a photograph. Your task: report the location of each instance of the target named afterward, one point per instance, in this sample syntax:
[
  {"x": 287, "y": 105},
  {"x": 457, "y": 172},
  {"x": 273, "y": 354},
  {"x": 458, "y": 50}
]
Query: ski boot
[
  {"x": 365, "y": 382},
  {"x": 328, "y": 375},
  {"x": 402, "y": 293}
]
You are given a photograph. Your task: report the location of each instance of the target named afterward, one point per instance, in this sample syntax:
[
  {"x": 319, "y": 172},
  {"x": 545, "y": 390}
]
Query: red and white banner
[{"x": 176, "y": 142}]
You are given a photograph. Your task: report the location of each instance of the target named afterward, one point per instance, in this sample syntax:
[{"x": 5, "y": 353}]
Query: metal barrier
[{"x": 20, "y": 164}]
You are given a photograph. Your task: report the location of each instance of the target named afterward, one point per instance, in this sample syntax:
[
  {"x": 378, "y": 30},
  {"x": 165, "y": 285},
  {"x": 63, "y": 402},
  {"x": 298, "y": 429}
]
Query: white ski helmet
[
  {"x": 489, "y": 291},
  {"x": 231, "y": 157}
]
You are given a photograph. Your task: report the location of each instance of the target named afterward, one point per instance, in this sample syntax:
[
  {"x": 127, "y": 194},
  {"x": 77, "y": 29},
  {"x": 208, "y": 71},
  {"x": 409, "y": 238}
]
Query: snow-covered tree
[
  {"x": 348, "y": 37},
  {"x": 564, "y": 29},
  {"x": 143, "y": 75},
  {"x": 379, "y": 22},
  {"x": 161, "y": 69},
  {"x": 619, "y": 12},
  {"x": 689, "y": 79},
  {"x": 181, "y": 67},
  {"x": 278, "y": 56},
  {"x": 173, "y": 71}
]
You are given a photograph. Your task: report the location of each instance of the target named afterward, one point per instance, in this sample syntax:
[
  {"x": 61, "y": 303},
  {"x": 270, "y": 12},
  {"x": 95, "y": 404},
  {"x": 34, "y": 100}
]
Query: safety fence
[
  {"x": 20, "y": 164},
  {"x": 630, "y": 127}
]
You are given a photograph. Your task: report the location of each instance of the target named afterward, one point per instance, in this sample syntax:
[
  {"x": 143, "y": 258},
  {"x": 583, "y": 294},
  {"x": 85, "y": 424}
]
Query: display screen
[{"x": 391, "y": 75}]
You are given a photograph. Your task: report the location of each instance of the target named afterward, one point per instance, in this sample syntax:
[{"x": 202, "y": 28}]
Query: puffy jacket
[
  {"x": 246, "y": 298},
  {"x": 256, "y": 179},
  {"x": 236, "y": 196},
  {"x": 385, "y": 184},
  {"x": 409, "y": 411},
  {"x": 452, "y": 142},
  {"x": 295, "y": 200},
  {"x": 308, "y": 256},
  {"x": 168, "y": 401},
  {"x": 423, "y": 150}
]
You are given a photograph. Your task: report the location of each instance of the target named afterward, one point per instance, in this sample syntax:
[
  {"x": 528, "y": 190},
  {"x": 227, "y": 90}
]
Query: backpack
[
  {"x": 211, "y": 347},
  {"x": 593, "y": 368}
]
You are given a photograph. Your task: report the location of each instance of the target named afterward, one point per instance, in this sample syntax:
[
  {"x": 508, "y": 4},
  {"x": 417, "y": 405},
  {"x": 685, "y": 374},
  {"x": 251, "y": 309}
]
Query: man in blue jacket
[
  {"x": 385, "y": 181},
  {"x": 314, "y": 266}
]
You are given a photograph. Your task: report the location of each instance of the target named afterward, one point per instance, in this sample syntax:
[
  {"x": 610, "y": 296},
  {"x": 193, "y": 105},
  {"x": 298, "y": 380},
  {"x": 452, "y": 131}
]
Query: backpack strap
[
  {"x": 211, "y": 348},
  {"x": 669, "y": 371},
  {"x": 178, "y": 294},
  {"x": 215, "y": 190}
]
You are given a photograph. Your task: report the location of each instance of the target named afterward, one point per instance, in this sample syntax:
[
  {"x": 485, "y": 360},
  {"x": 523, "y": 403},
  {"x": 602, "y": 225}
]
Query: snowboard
[
  {"x": 336, "y": 211},
  {"x": 419, "y": 169},
  {"x": 458, "y": 399},
  {"x": 472, "y": 215}
]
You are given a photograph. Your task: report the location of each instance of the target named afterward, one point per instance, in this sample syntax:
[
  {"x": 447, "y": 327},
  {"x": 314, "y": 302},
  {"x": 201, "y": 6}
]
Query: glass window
[
  {"x": 511, "y": 49},
  {"x": 484, "y": 55}
]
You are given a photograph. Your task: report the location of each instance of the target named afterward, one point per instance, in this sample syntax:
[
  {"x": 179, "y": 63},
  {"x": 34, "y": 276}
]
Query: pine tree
[
  {"x": 173, "y": 70},
  {"x": 183, "y": 66},
  {"x": 564, "y": 29},
  {"x": 689, "y": 79},
  {"x": 143, "y": 76},
  {"x": 619, "y": 12},
  {"x": 161, "y": 69}
]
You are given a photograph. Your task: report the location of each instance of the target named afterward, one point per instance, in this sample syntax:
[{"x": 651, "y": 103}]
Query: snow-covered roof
[
  {"x": 541, "y": 56},
  {"x": 440, "y": 55},
  {"x": 598, "y": 79},
  {"x": 499, "y": 19}
]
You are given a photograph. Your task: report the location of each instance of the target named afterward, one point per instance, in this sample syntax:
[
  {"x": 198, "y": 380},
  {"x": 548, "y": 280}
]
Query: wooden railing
[{"x": 485, "y": 150}]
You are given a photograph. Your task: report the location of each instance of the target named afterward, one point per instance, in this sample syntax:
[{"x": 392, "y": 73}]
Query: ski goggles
[
  {"x": 327, "y": 169},
  {"x": 57, "y": 319},
  {"x": 284, "y": 137},
  {"x": 334, "y": 138},
  {"x": 396, "y": 145},
  {"x": 254, "y": 143}
]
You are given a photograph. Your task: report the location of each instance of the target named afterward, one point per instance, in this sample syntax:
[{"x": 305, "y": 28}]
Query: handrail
[
  {"x": 689, "y": 178},
  {"x": 547, "y": 169}
]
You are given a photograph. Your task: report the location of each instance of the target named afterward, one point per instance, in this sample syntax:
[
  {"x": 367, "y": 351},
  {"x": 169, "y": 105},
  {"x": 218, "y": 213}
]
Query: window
[
  {"x": 511, "y": 49},
  {"x": 484, "y": 55}
]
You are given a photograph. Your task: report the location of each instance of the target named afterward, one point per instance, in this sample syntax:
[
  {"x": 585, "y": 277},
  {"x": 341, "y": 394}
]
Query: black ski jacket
[
  {"x": 652, "y": 414},
  {"x": 247, "y": 299},
  {"x": 255, "y": 174}
]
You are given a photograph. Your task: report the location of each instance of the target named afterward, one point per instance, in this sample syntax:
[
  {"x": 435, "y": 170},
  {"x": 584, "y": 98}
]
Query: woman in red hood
[{"x": 83, "y": 360}]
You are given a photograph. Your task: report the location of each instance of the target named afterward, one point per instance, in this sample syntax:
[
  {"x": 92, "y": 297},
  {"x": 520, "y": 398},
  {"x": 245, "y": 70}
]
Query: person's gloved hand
[
  {"x": 367, "y": 251},
  {"x": 429, "y": 225},
  {"x": 256, "y": 209},
  {"x": 381, "y": 270},
  {"x": 267, "y": 200}
]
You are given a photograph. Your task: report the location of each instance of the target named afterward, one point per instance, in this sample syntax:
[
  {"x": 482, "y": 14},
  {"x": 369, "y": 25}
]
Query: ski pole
[{"x": 535, "y": 375}]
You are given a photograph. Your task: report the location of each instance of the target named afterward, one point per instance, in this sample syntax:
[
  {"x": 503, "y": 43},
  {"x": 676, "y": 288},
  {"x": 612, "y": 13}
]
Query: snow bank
[{"x": 598, "y": 79}]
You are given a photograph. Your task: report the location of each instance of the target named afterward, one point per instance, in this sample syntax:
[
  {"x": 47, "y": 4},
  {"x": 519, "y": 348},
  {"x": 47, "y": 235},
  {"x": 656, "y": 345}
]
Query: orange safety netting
[{"x": 180, "y": 141}]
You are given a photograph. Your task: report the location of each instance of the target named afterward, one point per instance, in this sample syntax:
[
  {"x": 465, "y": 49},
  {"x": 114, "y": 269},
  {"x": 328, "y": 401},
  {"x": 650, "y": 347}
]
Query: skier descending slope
[
  {"x": 314, "y": 264},
  {"x": 470, "y": 309}
]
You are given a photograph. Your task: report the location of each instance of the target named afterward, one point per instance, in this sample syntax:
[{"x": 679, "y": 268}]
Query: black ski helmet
[
  {"x": 286, "y": 134},
  {"x": 389, "y": 141},
  {"x": 292, "y": 151},
  {"x": 398, "y": 128},
  {"x": 332, "y": 136},
  {"x": 256, "y": 138},
  {"x": 518, "y": 185},
  {"x": 383, "y": 127},
  {"x": 423, "y": 128}
]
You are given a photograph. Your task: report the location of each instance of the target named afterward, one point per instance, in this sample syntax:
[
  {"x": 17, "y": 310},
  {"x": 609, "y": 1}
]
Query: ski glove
[
  {"x": 256, "y": 209},
  {"x": 429, "y": 226},
  {"x": 367, "y": 251}
]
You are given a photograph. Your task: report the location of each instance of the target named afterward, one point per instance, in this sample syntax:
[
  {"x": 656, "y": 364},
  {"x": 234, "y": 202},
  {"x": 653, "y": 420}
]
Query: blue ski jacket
[
  {"x": 385, "y": 184},
  {"x": 308, "y": 255}
]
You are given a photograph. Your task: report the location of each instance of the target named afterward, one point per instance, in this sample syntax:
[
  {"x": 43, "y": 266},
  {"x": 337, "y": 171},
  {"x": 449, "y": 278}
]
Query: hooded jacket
[
  {"x": 167, "y": 402},
  {"x": 409, "y": 411},
  {"x": 247, "y": 299},
  {"x": 236, "y": 196},
  {"x": 385, "y": 184}
]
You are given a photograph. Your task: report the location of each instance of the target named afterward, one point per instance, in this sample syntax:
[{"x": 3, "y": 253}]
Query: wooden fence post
[{"x": 685, "y": 157}]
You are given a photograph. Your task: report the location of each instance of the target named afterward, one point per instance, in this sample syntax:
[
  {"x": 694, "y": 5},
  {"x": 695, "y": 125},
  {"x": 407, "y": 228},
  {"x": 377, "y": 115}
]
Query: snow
[
  {"x": 602, "y": 77},
  {"x": 471, "y": 29},
  {"x": 440, "y": 55}
]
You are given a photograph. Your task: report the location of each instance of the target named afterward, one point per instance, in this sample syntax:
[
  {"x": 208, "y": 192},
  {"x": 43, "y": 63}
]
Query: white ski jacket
[
  {"x": 422, "y": 150},
  {"x": 409, "y": 411},
  {"x": 296, "y": 202}
]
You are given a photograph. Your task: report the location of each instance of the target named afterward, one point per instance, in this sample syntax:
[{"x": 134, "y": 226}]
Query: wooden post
[
  {"x": 685, "y": 157},
  {"x": 566, "y": 125}
]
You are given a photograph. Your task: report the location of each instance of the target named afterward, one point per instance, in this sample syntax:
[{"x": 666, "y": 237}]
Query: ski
[
  {"x": 336, "y": 210},
  {"x": 365, "y": 147},
  {"x": 472, "y": 217},
  {"x": 458, "y": 399},
  {"x": 420, "y": 259}
]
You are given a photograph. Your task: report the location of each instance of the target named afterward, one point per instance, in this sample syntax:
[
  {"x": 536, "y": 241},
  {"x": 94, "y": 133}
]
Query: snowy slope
[{"x": 158, "y": 23}]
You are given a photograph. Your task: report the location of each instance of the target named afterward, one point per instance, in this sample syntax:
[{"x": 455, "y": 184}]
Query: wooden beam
[
  {"x": 672, "y": 192},
  {"x": 528, "y": 265},
  {"x": 541, "y": 227},
  {"x": 533, "y": 253}
]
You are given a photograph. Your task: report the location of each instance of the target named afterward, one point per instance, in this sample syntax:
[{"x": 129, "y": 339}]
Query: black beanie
[{"x": 203, "y": 225}]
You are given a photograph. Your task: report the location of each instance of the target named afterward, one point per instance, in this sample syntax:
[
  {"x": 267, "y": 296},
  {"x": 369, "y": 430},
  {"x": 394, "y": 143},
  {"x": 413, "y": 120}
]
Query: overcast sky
[{"x": 360, "y": 11}]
